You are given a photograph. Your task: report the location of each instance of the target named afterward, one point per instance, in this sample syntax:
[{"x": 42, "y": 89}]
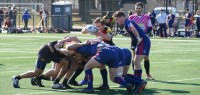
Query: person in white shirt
[{"x": 161, "y": 19}]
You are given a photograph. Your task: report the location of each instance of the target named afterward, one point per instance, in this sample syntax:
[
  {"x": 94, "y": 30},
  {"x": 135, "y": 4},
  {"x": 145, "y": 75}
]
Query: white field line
[
  {"x": 173, "y": 75},
  {"x": 86, "y": 37},
  {"x": 44, "y": 92}
]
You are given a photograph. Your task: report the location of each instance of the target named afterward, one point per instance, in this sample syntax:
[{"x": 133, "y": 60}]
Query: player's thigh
[
  {"x": 115, "y": 72},
  {"x": 125, "y": 70},
  {"x": 64, "y": 62},
  {"x": 137, "y": 61},
  {"x": 92, "y": 63}
]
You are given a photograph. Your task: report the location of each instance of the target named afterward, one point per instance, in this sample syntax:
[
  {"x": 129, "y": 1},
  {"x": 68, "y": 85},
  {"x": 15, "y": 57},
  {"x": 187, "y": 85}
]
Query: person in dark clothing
[
  {"x": 152, "y": 16},
  {"x": 197, "y": 16},
  {"x": 25, "y": 17},
  {"x": 1, "y": 17}
]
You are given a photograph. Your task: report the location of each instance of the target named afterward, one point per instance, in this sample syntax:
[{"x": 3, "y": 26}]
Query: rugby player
[
  {"x": 46, "y": 54},
  {"x": 144, "y": 22},
  {"x": 137, "y": 35}
]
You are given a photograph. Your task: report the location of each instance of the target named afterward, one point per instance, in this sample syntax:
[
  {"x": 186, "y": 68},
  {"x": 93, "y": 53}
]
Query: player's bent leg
[
  {"x": 72, "y": 68},
  {"x": 92, "y": 63},
  {"x": 29, "y": 74},
  {"x": 65, "y": 63},
  {"x": 125, "y": 70},
  {"x": 147, "y": 68},
  {"x": 138, "y": 69},
  {"x": 104, "y": 75},
  {"x": 116, "y": 77}
]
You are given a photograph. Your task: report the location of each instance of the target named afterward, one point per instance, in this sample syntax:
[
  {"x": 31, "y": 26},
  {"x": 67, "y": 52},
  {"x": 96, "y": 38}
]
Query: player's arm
[
  {"x": 83, "y": 31},
  {"x": 106, "y": 37},
  {"x": 135, "y": 32},
  {"x": 74, "y": 46}
]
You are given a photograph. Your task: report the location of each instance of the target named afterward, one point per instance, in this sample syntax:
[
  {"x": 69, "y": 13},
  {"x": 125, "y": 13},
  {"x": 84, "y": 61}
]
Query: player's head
[
  {"x": 139, "y": 7},
  {"x": 119, "y": 17},
  {"x": 109, "y": 14},
  {"x": 161, "y": 11},
  {"x": 187, "y": 10},
  {"x": 99, "y": 23}
]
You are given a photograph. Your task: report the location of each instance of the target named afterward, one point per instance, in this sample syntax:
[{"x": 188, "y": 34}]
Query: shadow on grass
[
  {"x": 150, "y": 91},
  {"x": 1, "y": 65},
  {"x": 168, "y": 82},
  {"x": 153, "y": 91}
]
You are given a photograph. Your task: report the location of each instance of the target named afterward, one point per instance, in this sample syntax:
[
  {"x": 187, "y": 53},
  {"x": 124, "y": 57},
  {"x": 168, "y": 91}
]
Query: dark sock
[
  {"x": 65, "y": 81},
  {"x": 76, "y": 74},
  {"x": 147, "y": 67},
  {"x": 121, "y": 81},
  {"x": 133, "y": 77},
  {"x": 18, "y": 77},
  {"x": 186, "y": 33},
  {"x": 138, "y": 73},
  {"x": 133, "y": 64},
  {"x": 104, "y": 77},
  {"x": 132, "y": 81},
  {"x": 89, "y": 78},
  {"x": 43, "y": 77},
  {"x": 56, "y": 81}
]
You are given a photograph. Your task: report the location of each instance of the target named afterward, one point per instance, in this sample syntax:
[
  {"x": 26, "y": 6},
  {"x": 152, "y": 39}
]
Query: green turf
[{"x": 174, "y": 64}]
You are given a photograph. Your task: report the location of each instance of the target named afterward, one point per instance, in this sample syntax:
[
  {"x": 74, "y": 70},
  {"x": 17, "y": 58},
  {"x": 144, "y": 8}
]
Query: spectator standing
[
  {"x": 152, "y": 16},
  {"x": 43, "y": 17},
  {"x": 14, "y": 15},
  {"x": 187, "y": 18},
  {"x": 10, "y": 14},
  {"x": 161, "y": 19},
  {"x": 171, "y": 23},
  {"x": 1, "y": 17},
  {"x": 25, "y": 17},
  {"x": 197, "y": 16}
]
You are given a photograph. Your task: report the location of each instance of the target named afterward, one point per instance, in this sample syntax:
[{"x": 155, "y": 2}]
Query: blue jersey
[
  {"x": 144, "y": 47},
  {"x": 87, "y": 50},
  {"x": 130, "y": 23},
  {"x": 127, "y": 56}
]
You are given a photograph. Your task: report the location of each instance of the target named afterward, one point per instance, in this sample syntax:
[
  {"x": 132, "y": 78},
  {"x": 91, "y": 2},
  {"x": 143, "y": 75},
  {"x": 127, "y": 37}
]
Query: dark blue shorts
[
  {"x": 107, "y": 56},
  {"x": 128, "y": 56},
  {"x": 144, "y": 47}
]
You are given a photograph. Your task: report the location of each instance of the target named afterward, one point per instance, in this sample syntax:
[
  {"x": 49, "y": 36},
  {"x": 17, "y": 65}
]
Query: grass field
[{"x": 175, "y": 64}]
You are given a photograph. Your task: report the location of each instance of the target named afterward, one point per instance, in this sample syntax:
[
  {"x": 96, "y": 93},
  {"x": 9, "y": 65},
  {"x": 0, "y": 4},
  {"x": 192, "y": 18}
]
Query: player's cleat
[
  {"x": 83, "y": 82},
  {"x": 149, "y": 77},
  {"x": 57, "y": 86},
  {"x": 66, "y": 86},
  {"x": 15, "y": 82},
  {"x": 38, "y": 82},
  {"x": 103, "y": 88},
  {"x": 129, "y": 88},
  {"x": 139, "y": 88},
  {"x": 75, "y": 83},
  {"x": 145, "y": 83},
  {"x": 86, "y": 90},
  {"x": 33, "y": 82}
]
